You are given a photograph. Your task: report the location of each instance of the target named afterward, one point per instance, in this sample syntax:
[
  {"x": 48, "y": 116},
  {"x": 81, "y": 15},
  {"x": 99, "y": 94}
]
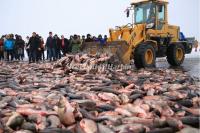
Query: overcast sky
[{"x": 85, "y": 16}]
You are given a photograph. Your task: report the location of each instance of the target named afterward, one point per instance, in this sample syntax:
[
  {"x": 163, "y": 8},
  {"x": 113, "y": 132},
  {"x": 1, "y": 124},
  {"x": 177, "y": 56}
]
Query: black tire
[
  {"x": 172, "y": 58},
  {"x": 139, "y": 56}
]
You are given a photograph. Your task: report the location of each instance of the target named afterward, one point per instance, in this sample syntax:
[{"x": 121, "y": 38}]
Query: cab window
[
  {"x": 139, "y": 15},
  {"x": 145, "y": 13},
  {"x": 161, "y": 12}
]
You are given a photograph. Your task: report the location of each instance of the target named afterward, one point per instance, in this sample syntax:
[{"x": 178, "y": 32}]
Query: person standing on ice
[
  {"x": 9, "y": 47},
  {"x": 49, "y": 46},
  {"x": 42, "y": 49},
  {"x": 56, "y": 47},
  {"x": 89, "y": 38},
  {"x": 20, "y": 44},
  {"x": 34, "y": 43},
  {"x": 75, "y": 44},
  {"x": 64, "y": 45}
]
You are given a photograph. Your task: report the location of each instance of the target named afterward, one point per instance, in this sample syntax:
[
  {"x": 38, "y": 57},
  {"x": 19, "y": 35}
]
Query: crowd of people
[{"x": 13, "y": 47}]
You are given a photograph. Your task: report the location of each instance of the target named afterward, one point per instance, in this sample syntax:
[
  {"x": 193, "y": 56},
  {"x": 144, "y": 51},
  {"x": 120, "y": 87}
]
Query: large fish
[
  {"x": 65, "y": 112},
  {"x": 28, "y": 111},
  {"x": 15, "y": 121},
  {"x": 87, "y": 126}
]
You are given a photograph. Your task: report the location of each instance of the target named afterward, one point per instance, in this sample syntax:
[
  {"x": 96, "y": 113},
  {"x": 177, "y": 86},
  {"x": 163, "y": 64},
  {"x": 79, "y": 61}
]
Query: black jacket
[
  {"x": 34, "y": 43},
  {"x": 19, "y": 43},
  {"x": 89, "y": 40},
  {"x": 56, "y": 43},
  {"x": 49, "y": 42}
]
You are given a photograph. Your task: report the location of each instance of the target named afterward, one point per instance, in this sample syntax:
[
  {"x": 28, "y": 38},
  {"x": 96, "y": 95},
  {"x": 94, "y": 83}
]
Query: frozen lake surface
[{"x": 191, "y": 64}]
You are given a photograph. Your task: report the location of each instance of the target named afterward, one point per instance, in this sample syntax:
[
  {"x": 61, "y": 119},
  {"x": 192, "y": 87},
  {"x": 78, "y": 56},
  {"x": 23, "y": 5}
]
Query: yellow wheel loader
[{"x": 150, "y": 36}]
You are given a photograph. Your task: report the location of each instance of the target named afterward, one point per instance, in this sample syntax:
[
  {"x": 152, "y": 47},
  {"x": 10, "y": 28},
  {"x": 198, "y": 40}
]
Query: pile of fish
[{"x": 73, "y": 96}]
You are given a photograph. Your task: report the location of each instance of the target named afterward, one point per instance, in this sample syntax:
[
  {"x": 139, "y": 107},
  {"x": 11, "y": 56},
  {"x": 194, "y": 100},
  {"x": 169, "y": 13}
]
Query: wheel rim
[
  {"x": 149, "y": 56},
  {"x": 179, "y": 54}
]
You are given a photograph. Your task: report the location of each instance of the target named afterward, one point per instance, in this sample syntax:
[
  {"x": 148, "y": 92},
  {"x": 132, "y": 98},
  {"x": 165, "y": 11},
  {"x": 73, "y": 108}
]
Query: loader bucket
[{"x": 116, "y": 48}]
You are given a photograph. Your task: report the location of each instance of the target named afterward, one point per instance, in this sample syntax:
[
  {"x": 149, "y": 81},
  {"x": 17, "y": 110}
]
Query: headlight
[{"x": 149, "y": 26}]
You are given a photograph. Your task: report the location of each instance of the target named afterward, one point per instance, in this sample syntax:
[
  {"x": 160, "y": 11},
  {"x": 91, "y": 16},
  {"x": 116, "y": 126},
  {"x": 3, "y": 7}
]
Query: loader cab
[{"x": 151, "y": 13}]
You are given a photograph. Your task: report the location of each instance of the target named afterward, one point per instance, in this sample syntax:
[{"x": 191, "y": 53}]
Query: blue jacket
[
  {"x": 9, "y": 44},
  {"x": 102, "y": 41}
]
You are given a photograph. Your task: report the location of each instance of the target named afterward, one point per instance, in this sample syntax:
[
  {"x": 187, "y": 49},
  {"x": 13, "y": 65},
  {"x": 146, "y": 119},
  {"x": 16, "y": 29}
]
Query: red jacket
[{"x": 1, "y": 42}]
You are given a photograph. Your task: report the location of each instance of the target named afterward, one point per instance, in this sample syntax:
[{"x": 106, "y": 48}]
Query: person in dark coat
[
  {"x": 38, "y": 51},
  {"x": 89, "y": 38},
  {"x": 57, "y": 47},
  {"x": 105, "y": 38},
  {"x": 19, "y": 45},
  {"x": 49, "y": 46},
  {"x": 64, "y": 45},
  {"x": 34, "y": 43},
  {"x": 70, "y": 44}
]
